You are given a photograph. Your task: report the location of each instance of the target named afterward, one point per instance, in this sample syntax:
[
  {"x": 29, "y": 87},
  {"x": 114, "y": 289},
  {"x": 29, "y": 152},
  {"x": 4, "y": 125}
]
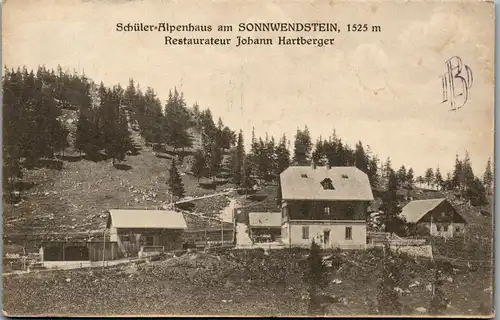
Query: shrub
[
  {"x": 316, "y": 277},
  {"x": 389, "y": 279}
]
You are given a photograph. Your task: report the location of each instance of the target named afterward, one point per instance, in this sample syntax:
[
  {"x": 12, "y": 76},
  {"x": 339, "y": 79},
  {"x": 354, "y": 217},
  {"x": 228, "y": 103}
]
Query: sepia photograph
[{"x": 248, "y": 158}]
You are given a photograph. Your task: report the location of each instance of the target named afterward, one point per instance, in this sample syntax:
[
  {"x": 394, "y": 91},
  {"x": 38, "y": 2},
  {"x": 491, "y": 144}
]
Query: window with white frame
[
  {"x": 348, "y": 233},
  {"x": 305, "y": 232}
]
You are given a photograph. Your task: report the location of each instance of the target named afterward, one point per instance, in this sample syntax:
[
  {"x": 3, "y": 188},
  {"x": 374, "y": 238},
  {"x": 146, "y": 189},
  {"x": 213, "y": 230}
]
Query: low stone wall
[
  {"x": 265, "y": 246},
  {"x": 420, "y": 251},
  {"x": 67, "y": 264}
]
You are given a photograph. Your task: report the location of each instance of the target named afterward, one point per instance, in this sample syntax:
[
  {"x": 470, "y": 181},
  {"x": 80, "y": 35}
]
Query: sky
[{"x": 382, "y": 88}]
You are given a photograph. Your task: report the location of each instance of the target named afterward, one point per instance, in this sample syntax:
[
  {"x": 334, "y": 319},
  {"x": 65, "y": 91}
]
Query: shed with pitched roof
[
  {"x": 137, "y": 232},
  {"x": 265, "y": 226},
  {"x": 438, "y": 215}
]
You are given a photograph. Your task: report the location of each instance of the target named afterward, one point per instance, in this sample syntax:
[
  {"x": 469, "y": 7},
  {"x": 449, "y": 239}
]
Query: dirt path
[
  {"x": 227, "y": 214},
  {"x": 242, "y": 238},
  {"x": 205, "y": 197}
]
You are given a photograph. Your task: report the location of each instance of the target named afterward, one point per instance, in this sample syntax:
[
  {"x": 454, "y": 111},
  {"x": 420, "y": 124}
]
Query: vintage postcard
[{"x": 248, "y": 158}]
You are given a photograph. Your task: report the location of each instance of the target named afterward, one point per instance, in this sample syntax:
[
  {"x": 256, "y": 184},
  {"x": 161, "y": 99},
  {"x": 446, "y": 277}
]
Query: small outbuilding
[
  {"x": 438, "y": 215},
  {"x": 265, "y": 226},
  {"x": 139, "y": 232}
]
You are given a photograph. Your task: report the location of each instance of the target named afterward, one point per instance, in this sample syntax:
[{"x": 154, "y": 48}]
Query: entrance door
[{"x": 326, "y": 238}]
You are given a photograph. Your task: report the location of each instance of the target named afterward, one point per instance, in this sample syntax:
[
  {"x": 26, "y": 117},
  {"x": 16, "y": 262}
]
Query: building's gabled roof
[
  {"x": 146, "y": 219},
  {"x": 264, "y": 219},
  {"x": 305, "y": 183},
  {"x": 417, "y": 209}
]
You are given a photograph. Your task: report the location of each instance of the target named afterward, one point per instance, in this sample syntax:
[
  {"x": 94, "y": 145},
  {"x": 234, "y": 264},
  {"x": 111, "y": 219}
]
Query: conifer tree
[
  {"x": 121, "y": 141},
  {"x": 209, "y": 128},
  {"x": 60, "y": 138},
  {"x": 177, "y": 121},
  {"x": 476, "y": 192},
  {"x": 40, "y": 112},
  {"x": 302, "y": 147},
  {"x": 129, "y": 96},
  {"x": 239, "y": 156},
  {"x": 318, "y": 153},
  {"x": 261, "y": 159},
  {"x": 150, "y": 118},
  {"x": 279, "y": 194},
  {"x": 227, "y": 136},
  {"x": 350, "y": 159},
  {"x": 13, "y": 123},
  {"x": 429, "y": 177},
  {"x": 361, "y": 159},
  {"x": 468, "y": 173},
  {"x": 448, "y": 182},
  {"x": 270, "y": 157},
  {"x": 438, "y": 178},
  {"x": 83, "y": 133},
  {"x": 174, "y": 182},
  {"x": 390, "y": 205},
  {"x": 401, "y": 176},
  {"x": 246, "y": 174},
  {"x": 215, "y": 160},
  {"x": 387, "y": 167},
  {"x": 488, "y": 176},
  {"x": 457, "y": 178},
  {"x": 410, "y": 176},
  {"x": 199, "y": 164},
  {"x": 282, "y": 156},
  {"x": 114, "y": 125},
  {"x": 420, "y": 180},
  {"x": 372, "y": 167}
]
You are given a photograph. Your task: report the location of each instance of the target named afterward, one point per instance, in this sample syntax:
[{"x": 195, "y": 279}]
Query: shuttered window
[
  {"x": 305, "y": 232},
  {"x": 348, "y": 233}
]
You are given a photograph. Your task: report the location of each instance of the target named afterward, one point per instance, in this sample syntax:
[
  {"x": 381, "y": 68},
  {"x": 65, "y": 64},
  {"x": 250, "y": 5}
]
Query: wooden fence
[
  {"x": 209, "y": 236},
  {"x": 100, "y": 250}
]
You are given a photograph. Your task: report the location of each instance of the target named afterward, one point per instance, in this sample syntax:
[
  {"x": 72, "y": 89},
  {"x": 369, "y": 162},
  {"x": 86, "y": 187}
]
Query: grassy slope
[
  {"x": 235, "y": 283},
  {"x": 76, "y": 197},
  {"x": 264, "y": 200}
]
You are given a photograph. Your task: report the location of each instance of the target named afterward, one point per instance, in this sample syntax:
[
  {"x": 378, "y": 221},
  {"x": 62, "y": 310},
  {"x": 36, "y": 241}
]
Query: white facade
[
  {"x": 350, "y": 234},
  {"x": 447, "y": 230}
]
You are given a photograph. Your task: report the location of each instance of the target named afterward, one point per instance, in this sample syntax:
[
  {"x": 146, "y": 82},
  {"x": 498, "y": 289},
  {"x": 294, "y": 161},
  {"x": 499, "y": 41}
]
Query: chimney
[
  {"x": 328, "y": 166},
  {"x": 313, "y": 165}
]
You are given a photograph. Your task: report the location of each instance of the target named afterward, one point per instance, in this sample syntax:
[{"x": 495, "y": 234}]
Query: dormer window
[
  {"x": 327, "y": 184},
  {"x": 344, "y": 176},
  {"x": 303, "y": 175}
]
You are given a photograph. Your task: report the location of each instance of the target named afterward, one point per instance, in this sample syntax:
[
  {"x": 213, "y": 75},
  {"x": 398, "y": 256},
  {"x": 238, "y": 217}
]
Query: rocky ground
[{"x": 237, "y": 282}]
